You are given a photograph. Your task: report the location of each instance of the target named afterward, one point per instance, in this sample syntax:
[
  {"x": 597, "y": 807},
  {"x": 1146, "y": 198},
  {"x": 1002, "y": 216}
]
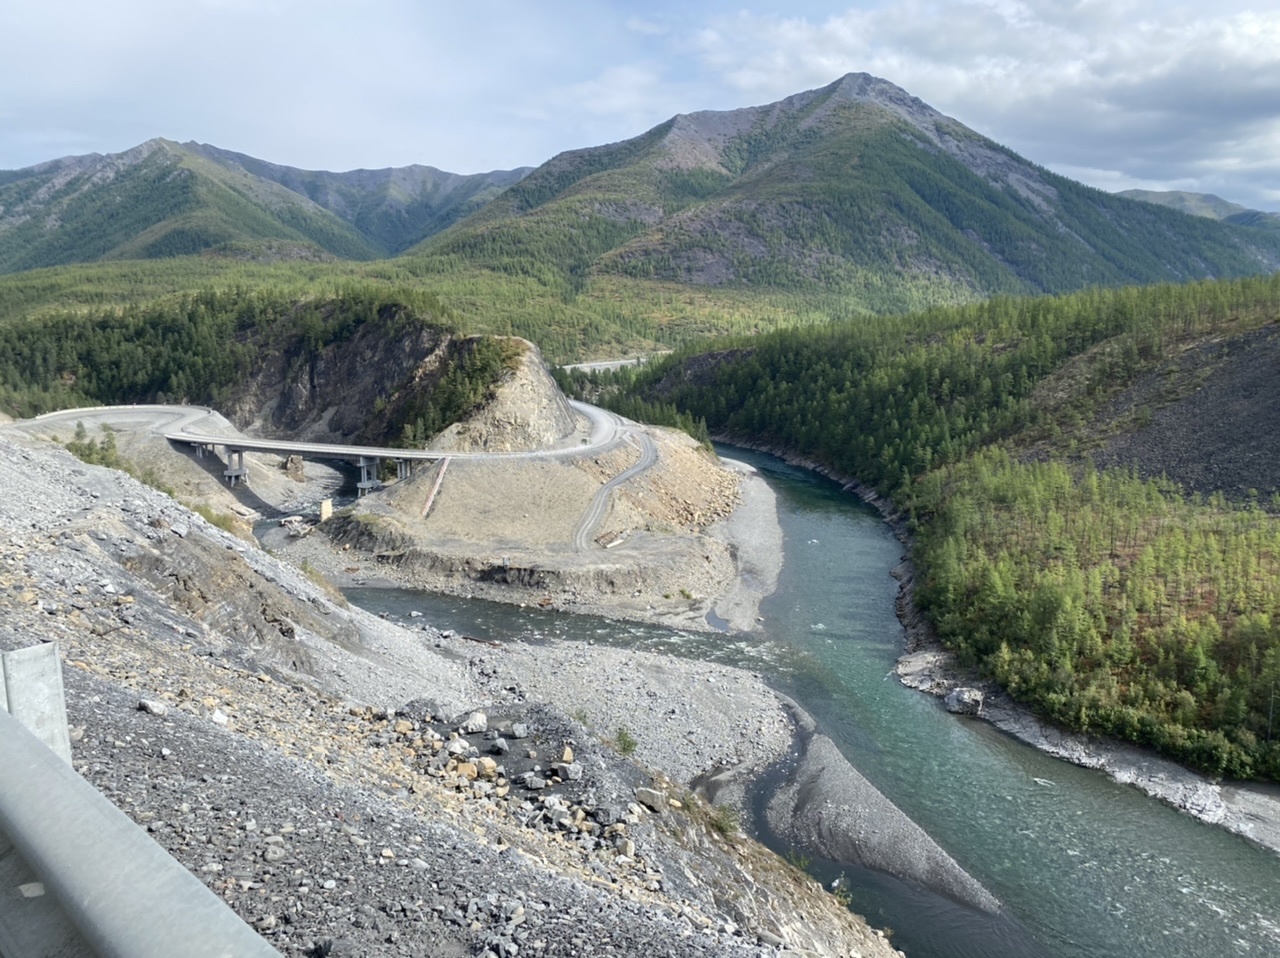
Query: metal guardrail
[{"x": 81, "y": 879}]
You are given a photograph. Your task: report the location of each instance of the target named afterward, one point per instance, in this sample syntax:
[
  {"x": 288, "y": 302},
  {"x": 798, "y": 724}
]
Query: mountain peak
[{"x": 865, "y": 88}]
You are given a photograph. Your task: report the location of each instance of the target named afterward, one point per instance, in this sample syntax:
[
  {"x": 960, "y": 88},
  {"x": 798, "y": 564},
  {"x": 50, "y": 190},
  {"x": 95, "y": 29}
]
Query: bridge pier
[
  {"x": 368, "y": 474},
  {"x": 404, "y": 469},
  {"x": 235, "y": 466}
]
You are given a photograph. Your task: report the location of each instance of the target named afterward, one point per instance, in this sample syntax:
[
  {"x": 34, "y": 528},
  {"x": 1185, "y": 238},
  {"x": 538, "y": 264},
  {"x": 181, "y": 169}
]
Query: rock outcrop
[{"x": 528, "y": 412}]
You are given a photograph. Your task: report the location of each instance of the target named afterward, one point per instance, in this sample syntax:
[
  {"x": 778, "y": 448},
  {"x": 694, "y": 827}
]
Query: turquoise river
[{"x": 1084, "y": 867}]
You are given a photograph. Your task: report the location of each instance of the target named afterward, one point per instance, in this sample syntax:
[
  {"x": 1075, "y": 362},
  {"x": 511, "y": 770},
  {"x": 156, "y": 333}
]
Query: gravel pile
[{"x": 325, "y": 773}]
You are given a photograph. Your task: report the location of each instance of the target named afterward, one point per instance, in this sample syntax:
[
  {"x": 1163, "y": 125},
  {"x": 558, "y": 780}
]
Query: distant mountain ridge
[
  {"x": 856, "y": 189},
  {"x": 394, "y": 207},
  {"x": 856, "y": 185},
  {"x": 1206, "y": 204},
  {"x": 168, "y": 199}
]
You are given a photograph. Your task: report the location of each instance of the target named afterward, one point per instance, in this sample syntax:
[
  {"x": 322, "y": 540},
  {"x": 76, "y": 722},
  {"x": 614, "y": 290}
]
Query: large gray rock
[
  {"x": 964, "y": 701},
  {"x": 652, "y": 799}
]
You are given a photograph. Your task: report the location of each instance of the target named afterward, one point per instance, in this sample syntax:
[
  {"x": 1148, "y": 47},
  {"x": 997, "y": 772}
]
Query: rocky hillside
[
  {"x": 856, "y": 184},
  {"x": 1209, "y": 420},
  {"x": 526, "y": 411},
  {"x": 349, "y": 787}
]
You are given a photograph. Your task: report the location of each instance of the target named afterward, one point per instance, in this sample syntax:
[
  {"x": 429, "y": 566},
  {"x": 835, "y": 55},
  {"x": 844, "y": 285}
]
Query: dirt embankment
[{"x": 504, "y": 530}]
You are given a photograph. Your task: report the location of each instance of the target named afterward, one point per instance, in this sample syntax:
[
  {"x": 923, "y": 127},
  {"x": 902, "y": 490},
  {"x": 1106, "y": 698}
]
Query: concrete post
[
  {"x": 368, "y": 474},
  {"x": 32, "y": 680},
  {"x": 235, "y": 466}
]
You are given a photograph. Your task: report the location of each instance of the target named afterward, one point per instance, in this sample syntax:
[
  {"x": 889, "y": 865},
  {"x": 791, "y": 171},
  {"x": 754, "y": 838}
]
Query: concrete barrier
[{"x": 31, "y": 691}]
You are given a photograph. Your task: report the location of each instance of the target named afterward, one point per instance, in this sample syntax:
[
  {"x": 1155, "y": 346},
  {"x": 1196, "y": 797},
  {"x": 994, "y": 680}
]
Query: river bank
[
  {"x": 1250, "y": 810},
  {"x": 642, "y": 580},
  {"x": 697, "y": 721}
]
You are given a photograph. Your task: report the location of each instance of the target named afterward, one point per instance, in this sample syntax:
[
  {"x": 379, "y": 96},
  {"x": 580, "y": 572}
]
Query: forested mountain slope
[
  {"x": 165, "y": 199},
  {"x": 856, "y": 185},
  {"x": 392, "y": 208},
  {"x": 851, "y": 200},
  {"x": 1110, "y": 599}
]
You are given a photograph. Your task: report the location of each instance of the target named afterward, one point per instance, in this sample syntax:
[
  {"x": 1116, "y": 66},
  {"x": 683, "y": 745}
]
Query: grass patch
[
  {"x": 724, "y": 819},
  {"x": 319, "y": 578},
  {"x": 219, "y": 520},
  {"x": 624, "y": 741}
]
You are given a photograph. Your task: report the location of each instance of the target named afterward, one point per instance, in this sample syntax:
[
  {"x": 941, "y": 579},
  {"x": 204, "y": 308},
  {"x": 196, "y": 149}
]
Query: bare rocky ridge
[
  {"x": 277, "y": 768},
  {"x": 528, "y": 413}
]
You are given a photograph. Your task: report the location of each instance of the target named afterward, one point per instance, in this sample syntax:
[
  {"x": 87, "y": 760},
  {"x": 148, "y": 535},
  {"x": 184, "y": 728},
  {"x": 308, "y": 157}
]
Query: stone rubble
[{"x": 352, "y": 788}]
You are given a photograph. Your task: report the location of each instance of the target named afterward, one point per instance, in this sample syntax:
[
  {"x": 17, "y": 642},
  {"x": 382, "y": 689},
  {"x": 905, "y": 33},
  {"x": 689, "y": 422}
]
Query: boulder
[
  {"x": 652, "y": 799},
  {"x": 964, "y": 701},
  {"x": 568, "y": 771}
]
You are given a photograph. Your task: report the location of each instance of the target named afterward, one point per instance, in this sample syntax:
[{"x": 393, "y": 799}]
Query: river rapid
[{"x": 1083, "y": 866}]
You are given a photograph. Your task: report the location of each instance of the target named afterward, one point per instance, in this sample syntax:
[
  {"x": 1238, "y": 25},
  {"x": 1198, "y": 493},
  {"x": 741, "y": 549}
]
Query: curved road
[
  {"x": 182, "y": 424},
  {"x": 583, "y": 534}
]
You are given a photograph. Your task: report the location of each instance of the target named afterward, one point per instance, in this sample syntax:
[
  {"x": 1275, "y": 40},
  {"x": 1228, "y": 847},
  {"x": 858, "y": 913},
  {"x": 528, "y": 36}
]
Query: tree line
[{"x": 1107, "y": 600}]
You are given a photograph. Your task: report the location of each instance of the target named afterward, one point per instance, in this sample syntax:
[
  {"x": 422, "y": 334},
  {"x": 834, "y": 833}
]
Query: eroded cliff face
[
  {"x": 343, "y": 392},
  {"x": 390, "y": 374}
]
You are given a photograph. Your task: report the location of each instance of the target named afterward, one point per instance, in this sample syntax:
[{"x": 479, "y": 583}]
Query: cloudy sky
[{"x": 1118, "y": 93}]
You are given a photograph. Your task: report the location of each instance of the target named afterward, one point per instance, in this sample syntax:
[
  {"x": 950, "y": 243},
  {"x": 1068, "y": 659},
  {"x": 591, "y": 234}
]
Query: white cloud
[
  {"x": 1169, "y": 94},
  {"x": 1156, "y": 94}
]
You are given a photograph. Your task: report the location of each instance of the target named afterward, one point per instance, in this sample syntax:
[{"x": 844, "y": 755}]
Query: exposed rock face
[
  {"x": 964, "y": 701},
  {"x": 334, "y": 394},
  {"x": 529, "y": 412}
]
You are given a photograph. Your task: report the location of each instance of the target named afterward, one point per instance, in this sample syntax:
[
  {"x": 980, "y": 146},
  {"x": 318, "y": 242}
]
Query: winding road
[
  {"x": 201, "y": 426},
  {"x": 583, "y": 534}
]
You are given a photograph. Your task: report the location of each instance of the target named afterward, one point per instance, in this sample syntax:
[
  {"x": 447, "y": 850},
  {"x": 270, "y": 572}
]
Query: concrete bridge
[
  {"x": 367, "y": 458},
  {"x": 192, "y": 424}
]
